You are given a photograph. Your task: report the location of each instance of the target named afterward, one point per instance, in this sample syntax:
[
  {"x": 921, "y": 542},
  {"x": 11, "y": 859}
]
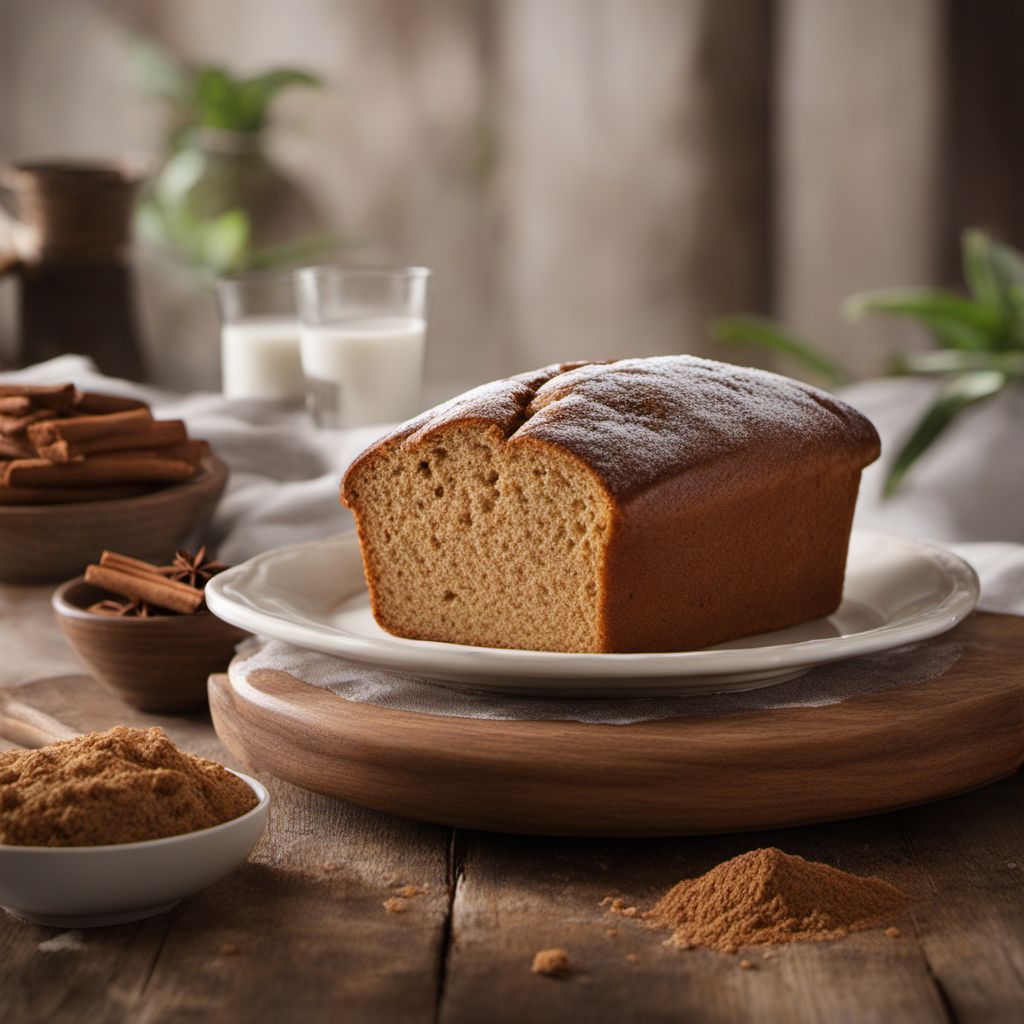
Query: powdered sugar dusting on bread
[
  {"x": 502, "y": 402},
  {"x": 637, "y": 421}
]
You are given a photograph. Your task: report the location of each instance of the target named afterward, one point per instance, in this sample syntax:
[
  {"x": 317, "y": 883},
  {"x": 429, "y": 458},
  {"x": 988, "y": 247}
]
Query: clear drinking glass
[
  {"x": 259, "y": 338},
  {"x": 363, "y": 339}
]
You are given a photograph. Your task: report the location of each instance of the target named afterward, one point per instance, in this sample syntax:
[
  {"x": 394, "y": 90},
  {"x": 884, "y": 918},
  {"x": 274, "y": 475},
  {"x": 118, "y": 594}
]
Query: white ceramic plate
[{"x": 313, "y": 595}]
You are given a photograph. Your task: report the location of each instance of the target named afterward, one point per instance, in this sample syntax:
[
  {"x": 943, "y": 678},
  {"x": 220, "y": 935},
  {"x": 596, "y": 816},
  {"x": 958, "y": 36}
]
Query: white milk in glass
[
  {"x": 364, "y": 370},
  {"x": 260, "y": 358}
]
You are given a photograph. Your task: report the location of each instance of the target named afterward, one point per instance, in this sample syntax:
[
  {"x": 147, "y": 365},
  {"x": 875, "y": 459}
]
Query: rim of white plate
[{"x": 227, "y": 596}]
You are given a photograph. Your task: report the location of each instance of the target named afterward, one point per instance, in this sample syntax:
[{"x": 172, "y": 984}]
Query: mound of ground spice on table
[
  {"x": 766, "y": 897},
  {"x": 120, "y": 786}
]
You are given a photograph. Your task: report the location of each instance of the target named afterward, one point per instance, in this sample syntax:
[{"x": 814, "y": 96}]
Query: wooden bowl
[
  {"x": 49, "y": 543},
  {"x": 158, "y": 664}
]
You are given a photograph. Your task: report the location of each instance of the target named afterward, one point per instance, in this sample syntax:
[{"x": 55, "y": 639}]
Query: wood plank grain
[
  {"x": 971, "y": 852},
  {"x": 516, "y": 895},
  {"x": 876, "y": 752},
  {"x": 291, "y": 938},
  {"x": 298, "y": 933}
]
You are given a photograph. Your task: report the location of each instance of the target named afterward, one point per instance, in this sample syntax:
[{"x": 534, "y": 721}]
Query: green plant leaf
[
  {"x": 1015, "y": 316},
  {"x": 256, "y": 94},
  {"x": 946, "y": 361},
  {"x": 217, "y": 102},
  {"x": 995, "y": 274},
  {"x": 990, "y": 267},
  {"x": 954, "y": 396},
  {"x": 955, "y": 321},
  {"x": 767, "y": 333},
  {"x": 222, "y": 101}
]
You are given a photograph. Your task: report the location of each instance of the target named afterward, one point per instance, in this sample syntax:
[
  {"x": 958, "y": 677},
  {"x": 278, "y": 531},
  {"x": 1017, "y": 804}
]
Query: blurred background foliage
[
  {"x": 978, "y": 338},
  {"x": 586, "y": 180},
  {"x": 216, "y": 200}
]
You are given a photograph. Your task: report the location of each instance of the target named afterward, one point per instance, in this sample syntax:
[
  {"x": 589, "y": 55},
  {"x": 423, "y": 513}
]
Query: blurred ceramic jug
[{"x": 69, "y": 227}]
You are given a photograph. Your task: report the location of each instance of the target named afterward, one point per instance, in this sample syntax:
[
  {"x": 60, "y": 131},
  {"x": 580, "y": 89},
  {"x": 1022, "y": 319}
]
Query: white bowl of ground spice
[{"x": 117, "y": 826}]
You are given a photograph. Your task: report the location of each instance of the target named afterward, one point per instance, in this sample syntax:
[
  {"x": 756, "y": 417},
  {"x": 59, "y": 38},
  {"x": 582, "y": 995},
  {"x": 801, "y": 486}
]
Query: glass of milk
[
  {"x": 364, "y": 333},
  {"x": 259, "y": 337}
]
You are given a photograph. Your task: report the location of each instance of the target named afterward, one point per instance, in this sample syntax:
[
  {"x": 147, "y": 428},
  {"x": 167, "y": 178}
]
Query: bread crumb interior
[{"x": 474, "y": 540}]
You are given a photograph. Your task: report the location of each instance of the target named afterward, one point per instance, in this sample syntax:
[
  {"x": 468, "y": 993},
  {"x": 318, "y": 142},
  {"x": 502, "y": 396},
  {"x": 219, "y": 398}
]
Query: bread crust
[{"x": 731, "y": 489}]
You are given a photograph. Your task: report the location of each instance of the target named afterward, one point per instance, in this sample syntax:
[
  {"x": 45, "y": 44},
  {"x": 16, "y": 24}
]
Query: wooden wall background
[{"x": 586, "y": 177}]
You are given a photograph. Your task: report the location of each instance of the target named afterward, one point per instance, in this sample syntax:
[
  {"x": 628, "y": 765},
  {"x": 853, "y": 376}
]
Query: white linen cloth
[
  {"x": 828, "y": 684},
  {"x": 967, "y": 492}
]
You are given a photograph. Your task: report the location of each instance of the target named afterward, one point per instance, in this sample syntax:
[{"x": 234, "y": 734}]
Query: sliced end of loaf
[{"x": 470, "y": 539}]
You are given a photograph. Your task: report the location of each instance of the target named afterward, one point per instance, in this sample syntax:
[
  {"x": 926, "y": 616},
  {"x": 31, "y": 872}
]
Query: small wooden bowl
[
  {"x": 158, "y": 664},
  {"x": 49, "y": 543}
]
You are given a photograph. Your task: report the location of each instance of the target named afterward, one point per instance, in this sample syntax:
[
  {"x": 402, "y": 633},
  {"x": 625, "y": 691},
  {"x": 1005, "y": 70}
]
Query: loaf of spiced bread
[{"x": 658, "y": 504}]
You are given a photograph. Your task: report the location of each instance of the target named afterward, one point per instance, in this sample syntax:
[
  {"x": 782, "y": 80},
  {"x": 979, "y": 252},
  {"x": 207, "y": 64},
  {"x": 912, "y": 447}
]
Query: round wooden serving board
[{"x": 724, "y": 773}]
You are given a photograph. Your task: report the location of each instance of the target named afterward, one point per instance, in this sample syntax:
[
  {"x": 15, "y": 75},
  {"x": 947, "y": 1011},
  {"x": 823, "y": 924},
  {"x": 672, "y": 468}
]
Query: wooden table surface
[{"x": 300, "y": 933}]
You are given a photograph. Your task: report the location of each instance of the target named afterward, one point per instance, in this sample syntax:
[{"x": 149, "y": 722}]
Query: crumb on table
[
  {"x": 553, "y": 963},
  {"x": 408, "y": 891},
  {"x": 617, "y": 905}
]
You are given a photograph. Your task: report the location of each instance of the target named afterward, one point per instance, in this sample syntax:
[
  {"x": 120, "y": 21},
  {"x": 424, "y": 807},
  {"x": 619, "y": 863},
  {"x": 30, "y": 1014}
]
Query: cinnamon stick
[
  {"x": 164, "y": 593},
  {"x": 59, "y": 451},
  {"x": 15, "y": 405},
  {"x": 156, "y": 434},
  {"x": 59, "y": 397},
  {"x": 11, "y": 426},
  {"x": 114, "y": 560},
  {"x": 14, "y": 448},
  {"x": 82, "y": 428},
  {"x": 92, "y": 403},
  {"x": 69, "y": 495},
  {"x": 109, "y": 468},
  {"x": 191, "y": 451}
]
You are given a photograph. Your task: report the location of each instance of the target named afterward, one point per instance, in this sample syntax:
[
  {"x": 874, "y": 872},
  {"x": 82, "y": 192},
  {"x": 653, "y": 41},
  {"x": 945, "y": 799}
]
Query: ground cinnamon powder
[
  {"x": 766, "y": 897},
  {"x": 119, "y": 786}
]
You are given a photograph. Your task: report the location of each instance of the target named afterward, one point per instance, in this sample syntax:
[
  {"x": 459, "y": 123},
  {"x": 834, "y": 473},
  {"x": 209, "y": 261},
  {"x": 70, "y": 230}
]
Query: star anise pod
[{"x": 194, "y": 570}]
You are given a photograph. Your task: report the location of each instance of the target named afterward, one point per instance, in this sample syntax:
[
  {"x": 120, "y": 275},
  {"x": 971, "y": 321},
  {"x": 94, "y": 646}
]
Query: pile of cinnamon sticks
[
  {"x": 142, "y": 589},
  {"x": 59, "y": 444}
]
